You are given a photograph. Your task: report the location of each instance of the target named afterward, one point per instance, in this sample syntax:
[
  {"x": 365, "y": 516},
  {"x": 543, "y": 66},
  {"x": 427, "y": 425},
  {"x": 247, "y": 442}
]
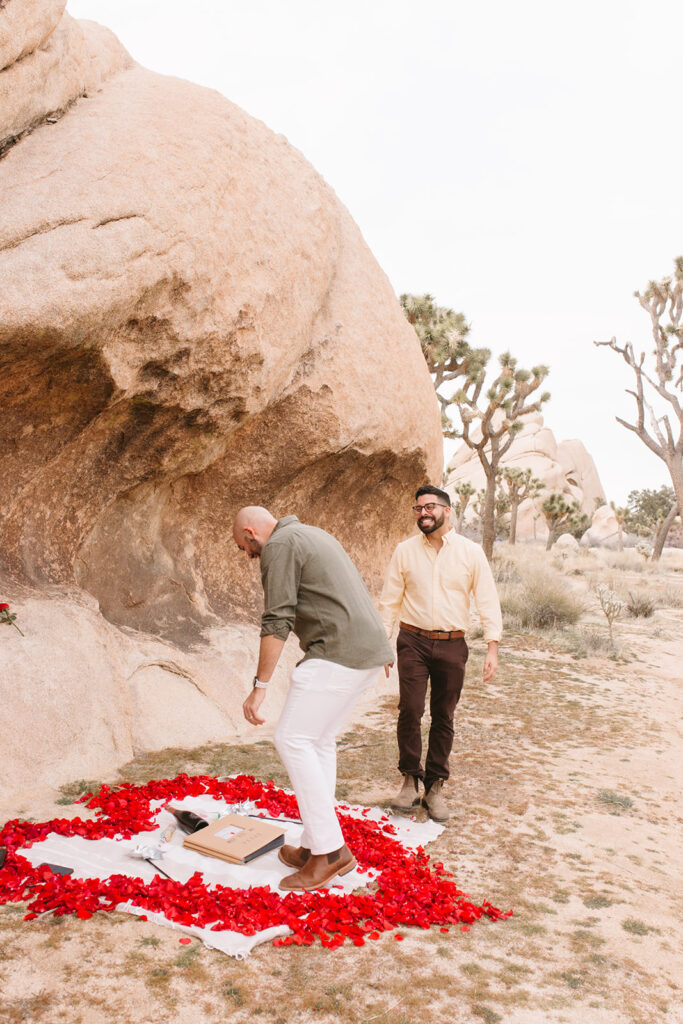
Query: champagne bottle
[{"x": 188, "y": 820}]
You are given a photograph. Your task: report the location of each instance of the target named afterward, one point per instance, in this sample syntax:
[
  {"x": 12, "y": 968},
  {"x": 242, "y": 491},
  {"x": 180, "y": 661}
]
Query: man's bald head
[{"x": 251, "y": 529}]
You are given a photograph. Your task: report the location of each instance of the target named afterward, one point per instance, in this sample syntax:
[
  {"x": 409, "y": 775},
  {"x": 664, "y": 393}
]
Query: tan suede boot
[
  {"x": 408, "y": 797},
  {"x": 293, "y": 856},
  {"x": 434, "y": 802}
]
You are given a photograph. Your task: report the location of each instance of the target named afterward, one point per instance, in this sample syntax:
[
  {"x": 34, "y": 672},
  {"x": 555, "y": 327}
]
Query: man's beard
[{"x": 434, "y": 524}]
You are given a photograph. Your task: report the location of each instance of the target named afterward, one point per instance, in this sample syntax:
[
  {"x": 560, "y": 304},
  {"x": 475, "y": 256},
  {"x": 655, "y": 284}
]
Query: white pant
[{"x": 321, "y": 697}]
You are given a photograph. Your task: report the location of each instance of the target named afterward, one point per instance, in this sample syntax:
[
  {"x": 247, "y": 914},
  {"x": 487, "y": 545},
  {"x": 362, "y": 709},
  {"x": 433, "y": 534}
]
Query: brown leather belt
[{"x": 434, "y": 634}]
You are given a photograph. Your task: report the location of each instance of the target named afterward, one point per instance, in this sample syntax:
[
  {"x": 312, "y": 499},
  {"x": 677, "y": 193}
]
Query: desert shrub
[
  {"x": 539, "y": 599},
  {"x": 645, "y": 550},
  {"x": 504, "y": 568},
  {"x": 635, "y": 927},
  {"x": 611, "y": 604},
  {"x": 617, "y": 800},
  {"x": 625, "y": 561},
  {"x": 590, "y": 641},
  {"x": 672, "y": 596},
  {"x": 640, "y": 606}
]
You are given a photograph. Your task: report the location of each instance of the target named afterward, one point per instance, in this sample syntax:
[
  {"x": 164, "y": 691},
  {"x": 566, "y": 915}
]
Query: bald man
[{"x": 311, "y": 587}]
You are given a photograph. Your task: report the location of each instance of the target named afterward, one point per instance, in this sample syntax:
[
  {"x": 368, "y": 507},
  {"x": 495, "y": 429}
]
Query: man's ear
[{"x": 248, "y": 531}]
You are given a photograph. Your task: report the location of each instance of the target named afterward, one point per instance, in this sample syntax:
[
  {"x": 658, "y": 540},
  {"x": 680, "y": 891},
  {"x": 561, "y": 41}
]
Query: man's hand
[
  {"x": 491, "y": 661},
  {"x": 270, "y": 649},
  {"x": 252, "y": 704},
  {"x": 387, "y": 667}
]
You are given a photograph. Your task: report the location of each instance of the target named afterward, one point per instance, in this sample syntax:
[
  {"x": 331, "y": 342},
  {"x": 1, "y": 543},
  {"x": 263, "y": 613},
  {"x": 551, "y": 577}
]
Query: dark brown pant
[{"x": 442, "y": 663}]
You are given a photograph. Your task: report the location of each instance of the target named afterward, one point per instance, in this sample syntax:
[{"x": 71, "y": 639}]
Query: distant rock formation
[
  {"x": 189, "y": 321},
  {"x": 565, "y": 467}
]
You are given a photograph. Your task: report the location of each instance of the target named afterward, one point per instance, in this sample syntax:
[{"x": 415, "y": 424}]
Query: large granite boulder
[
  {"x": 604, "y": 532},
  {"x": 190, "y": 321},
  {"x": 565, "y": 467},
  {"x": 567, "y": 542}
]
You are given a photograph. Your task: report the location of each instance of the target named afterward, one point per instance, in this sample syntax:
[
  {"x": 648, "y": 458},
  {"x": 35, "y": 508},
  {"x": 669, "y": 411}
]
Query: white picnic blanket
[{"x": 104, "y": 857}]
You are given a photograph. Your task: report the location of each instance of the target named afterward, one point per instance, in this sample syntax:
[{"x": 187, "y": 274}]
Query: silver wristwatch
[{"x": 257, "y": 684}]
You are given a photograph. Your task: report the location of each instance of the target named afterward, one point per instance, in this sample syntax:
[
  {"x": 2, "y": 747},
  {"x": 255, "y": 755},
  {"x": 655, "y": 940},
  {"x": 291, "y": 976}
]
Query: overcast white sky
[{"x": 520, "y": 161}]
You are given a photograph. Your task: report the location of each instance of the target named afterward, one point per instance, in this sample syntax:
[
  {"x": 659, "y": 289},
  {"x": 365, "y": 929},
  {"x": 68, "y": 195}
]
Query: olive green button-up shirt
[{"x": 311, "y": 586}]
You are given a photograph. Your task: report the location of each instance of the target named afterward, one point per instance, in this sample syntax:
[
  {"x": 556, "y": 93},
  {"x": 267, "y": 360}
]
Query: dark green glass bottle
[{"x": 188, "y": 820}]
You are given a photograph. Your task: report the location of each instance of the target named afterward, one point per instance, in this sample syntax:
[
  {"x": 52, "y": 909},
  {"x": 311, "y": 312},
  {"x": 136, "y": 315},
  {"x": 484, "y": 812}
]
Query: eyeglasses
[{"x": 429, "y": 507}]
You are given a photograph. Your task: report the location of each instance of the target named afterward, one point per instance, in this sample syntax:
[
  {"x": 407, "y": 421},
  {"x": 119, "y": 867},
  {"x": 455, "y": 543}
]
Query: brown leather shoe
[
  {"x": 434, "y": 802},
  {"x": 408, "y": 796},
  {"x": 293, "y": 856},
  {"x": 320, "y": 869}
]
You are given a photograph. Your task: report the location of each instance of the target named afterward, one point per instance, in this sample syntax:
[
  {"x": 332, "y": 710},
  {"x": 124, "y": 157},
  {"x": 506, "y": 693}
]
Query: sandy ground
[{"x": 565, "y": 800}]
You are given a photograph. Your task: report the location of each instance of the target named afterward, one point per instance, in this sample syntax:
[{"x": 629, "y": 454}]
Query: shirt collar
[
  {"x": 285, "y": 521},
  {"x": 447, "y": 537}
]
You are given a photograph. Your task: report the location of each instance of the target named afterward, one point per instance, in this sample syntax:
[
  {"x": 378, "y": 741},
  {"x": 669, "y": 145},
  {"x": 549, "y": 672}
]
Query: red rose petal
[
  {"x": 185, "y": 940},
  {"x": 410, "y": 889}
]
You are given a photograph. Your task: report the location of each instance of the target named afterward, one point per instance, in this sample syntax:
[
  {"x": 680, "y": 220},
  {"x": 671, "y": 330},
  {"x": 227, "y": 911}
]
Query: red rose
[{"x": 4, "y": 607}]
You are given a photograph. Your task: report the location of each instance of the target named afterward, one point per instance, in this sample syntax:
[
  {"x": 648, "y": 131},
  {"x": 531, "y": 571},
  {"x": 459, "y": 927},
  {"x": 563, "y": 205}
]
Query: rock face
[
  {"x": 190, "y": 321},
  {"x": 565, "y": 467},
  {"x": 80, "y": 697}
]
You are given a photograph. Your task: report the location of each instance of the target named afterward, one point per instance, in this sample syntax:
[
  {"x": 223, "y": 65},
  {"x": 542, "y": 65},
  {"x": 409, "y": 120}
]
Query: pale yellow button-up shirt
[{"x": 432, "y": 589}]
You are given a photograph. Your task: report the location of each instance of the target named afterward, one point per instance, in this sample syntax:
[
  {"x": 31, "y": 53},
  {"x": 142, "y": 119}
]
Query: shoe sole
[{"x": 322, "y": 885}]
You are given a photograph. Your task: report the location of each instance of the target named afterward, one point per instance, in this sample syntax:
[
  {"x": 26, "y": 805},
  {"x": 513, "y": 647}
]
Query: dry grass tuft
[
  {"x": 589, "y": 641},
  {"x": 671, "y": 596},
  {"x": 624, "y": 561},
  {"x": 640, "y": 606},
  {"x": 540, "y": 599}
]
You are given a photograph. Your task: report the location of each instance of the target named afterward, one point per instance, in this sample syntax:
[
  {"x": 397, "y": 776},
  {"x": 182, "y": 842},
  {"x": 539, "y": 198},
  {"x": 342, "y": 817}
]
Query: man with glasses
[
  {"x": 311, "y": 587},
  {"x": 430, "y": 580}
]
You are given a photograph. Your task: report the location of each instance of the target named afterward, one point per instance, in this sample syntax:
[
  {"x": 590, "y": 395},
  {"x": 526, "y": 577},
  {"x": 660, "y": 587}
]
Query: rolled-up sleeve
[
  {"x": 486, "y": 598},
  {"x": 280, "y": 575},
  {"x": 392, "y": 593}
]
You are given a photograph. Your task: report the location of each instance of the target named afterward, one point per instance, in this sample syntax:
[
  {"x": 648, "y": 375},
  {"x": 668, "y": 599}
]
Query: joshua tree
[
  {"x": 662, "y": 532},
  {"x": 651, "y": 514},
  {"x": 499, "y": 421},
  {"x": 620, "y": 514},
  {"x": 520, "y": 484},
  {"x": 560, "y": 515},
  {"x": 662, "y": 381},
  {"x": 443, "y": 337},
  {"x": 464, "y": 491},
  {"x": 501, "y": 508}
]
